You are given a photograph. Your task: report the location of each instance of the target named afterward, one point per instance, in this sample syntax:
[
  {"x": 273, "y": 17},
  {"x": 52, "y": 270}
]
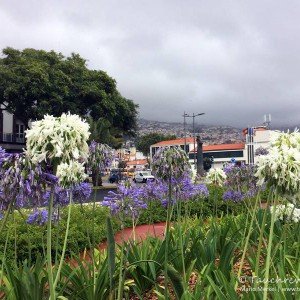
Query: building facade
[
  {"x": 255, "y": 138},
  {"x": 12, "y": 132}
]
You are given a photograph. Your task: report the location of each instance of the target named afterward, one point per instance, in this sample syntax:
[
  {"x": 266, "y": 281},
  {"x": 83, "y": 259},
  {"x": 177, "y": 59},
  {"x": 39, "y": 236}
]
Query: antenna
[{"x": 267, "y": 120}]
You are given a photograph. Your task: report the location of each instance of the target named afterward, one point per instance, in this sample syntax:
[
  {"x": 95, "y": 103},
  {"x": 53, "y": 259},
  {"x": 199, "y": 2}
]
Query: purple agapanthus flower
[
  {"x": 80, "y": 192},
  {"x": 170, "y": 162},
  {"x": 101, "y": 156},
  {"x": 40, "y": 217},
  {"x": 187, "y": 189},
  {"x": 261, "y": 151},
  {"x": 240, "y": 182},
  {"x": 128, "y": 200},
  {"x": 235, "y": 196},
  {"x": 183, "y": 188}
]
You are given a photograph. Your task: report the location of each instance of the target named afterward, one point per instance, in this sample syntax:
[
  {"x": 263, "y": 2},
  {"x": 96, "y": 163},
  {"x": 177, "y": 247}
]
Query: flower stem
[
  {"x": 268, "y": 259},
  {"x": 167, "y": 239},
  {"x": 246, "y": 243},
  {"x": 65, "y": 240},
  {"x": 49, "y": 246}
]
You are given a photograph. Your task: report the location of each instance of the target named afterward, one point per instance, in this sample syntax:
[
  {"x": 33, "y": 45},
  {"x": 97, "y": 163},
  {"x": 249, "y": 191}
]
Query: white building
[
  {"x": 12, "y": 136},
  {"x": 255, "y": 138}
]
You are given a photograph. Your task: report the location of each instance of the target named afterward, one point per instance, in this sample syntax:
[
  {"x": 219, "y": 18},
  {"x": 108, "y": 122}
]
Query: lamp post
[
  {"x": 184, "y": 129},
  {"x": 194, "y": 134}
]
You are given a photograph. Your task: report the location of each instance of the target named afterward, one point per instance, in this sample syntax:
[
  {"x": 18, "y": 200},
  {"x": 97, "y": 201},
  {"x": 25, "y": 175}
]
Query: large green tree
[
  {"x": 144, "y": 142},
  {"x": 37, "y": 82}
]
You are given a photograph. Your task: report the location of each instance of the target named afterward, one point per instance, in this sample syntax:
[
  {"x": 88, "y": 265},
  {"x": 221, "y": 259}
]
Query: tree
[
  {"x": 144, "y": 142},
  {"x": 102, "y": 132},
  {"x": 36, "y": 82}
]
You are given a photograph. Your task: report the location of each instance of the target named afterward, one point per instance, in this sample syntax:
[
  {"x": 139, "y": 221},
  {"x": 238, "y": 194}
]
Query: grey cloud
[{"x": 235, "y": 60}]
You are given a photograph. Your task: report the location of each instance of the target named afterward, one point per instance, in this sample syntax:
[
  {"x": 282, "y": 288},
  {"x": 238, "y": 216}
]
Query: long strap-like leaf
[
  {"x": 176, "y": 281},
  {"x": 111, "y": 253}
]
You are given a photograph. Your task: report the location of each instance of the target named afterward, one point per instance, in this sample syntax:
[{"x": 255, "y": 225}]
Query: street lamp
[
  {"x": 194, "y": 134},
  {"x": 184, "y": 129}
]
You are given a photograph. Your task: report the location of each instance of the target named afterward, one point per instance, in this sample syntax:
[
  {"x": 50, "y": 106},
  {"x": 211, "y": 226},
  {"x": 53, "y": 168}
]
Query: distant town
[{"x": 210, "y": 134}]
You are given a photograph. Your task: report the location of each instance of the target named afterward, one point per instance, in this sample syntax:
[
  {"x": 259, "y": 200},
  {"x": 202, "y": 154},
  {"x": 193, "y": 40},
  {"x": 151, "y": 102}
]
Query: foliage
[
  {"x": 144, "y": 142},
  {"x": 103, "y": 132},
  {"x": 31, "y": 239},
  {"x": 34, "y": 83},
  {"x": 211, "y": 255}
]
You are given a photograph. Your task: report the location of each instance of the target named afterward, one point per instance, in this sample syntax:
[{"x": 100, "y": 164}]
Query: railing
[{"x": 16, "y": 138}]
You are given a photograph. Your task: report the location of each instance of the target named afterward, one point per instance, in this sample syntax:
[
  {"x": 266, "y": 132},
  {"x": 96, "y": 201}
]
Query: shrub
[{"x": 26, "y": 241}]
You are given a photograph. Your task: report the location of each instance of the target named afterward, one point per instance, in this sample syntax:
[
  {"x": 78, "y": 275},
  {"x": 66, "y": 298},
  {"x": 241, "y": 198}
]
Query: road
[{"x": 100, "y": 194}]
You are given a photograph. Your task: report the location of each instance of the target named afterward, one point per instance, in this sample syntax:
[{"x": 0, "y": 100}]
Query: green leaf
[
  {"x": 111, "y": 252},
  {"x": 176, "y": 281}
]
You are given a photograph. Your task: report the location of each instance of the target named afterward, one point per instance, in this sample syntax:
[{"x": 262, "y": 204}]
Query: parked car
[
  {"x": 130, "y": 173},
  {"x": 143, "y": 176},
  {"x": 115, "y": 176}
]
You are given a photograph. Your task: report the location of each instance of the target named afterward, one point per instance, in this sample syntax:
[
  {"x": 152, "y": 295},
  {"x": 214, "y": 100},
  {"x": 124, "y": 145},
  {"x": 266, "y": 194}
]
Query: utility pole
[
  {"x": 184, "y": 129},
  {"x": 194, "y": 134}
]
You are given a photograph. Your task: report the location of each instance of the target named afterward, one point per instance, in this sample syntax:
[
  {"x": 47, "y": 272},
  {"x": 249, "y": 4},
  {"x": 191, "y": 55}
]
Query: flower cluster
[
  {"x": 281, "y": 167},
  {"x": 100, "y": 156},
  {"x": 241, "y": 182},
  {"x": 170, "y": 162},
  {"x": 62, "y": 143},
  {"x": 235, "y": 196},
  {"x": 287, "y": 213},
  {"x": 21, "y": 184},
  {"x": 63, "y": 138},
  {"x": 40, "y": 217},
  {"x": 80, "y": 194},
  {"x": 187, "y": 190},
  {"x": 216, "y": 176},
  {"x": 127, "y": 201},
  {"x": 261, "y": 151},
  {"x": 70, "y": 173}
]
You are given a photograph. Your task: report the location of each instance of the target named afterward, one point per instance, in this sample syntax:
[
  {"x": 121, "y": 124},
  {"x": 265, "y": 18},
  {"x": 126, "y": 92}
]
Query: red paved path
[{"x": 141, "y": 232}]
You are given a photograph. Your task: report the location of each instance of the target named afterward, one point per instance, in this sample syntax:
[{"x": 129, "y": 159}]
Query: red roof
[
  {"x": 189, "y": 140},
  {"x": 259, "y": 128},
  {"x": 221, "y": 147},
  {"x": 137, "y": 162}
]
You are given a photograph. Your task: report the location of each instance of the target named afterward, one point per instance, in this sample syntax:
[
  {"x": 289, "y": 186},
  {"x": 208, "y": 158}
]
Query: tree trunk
[{"x": 94, "y": 177}]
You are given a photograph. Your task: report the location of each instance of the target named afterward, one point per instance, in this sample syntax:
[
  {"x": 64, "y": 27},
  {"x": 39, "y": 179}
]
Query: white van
[{"x": 143, "y": 176}]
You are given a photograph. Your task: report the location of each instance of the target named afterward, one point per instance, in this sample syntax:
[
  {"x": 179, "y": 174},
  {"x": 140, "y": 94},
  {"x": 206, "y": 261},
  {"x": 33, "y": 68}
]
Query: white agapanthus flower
[
  {"x": 70, "y": 173},
  {"x": 288, "y": 213},
  {"x": 63, "y": 138},
  {"x": 216, "y": 176},
  {"x": 281, "y": 167}
]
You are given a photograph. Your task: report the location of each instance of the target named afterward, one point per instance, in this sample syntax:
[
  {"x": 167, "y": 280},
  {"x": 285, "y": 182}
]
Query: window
[
  {"x": 20, "y": 132},
  {"x": 220, "y": 154},
  {"x": 224, "y": 154}
]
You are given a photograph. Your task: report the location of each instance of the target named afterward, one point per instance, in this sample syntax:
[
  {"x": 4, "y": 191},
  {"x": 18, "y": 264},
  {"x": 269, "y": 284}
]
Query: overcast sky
[{"x": 233, "y": 60}]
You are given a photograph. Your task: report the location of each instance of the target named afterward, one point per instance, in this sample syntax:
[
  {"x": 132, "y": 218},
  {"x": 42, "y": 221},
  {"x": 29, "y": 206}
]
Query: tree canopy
[
  {"x": 36, "y": 82},
  {"x": 144, "y": 142}
]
